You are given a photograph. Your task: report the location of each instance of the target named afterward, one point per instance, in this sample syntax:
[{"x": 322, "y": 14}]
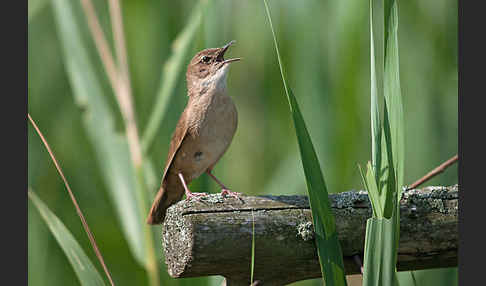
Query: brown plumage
[{"x": 203, "y": 133}]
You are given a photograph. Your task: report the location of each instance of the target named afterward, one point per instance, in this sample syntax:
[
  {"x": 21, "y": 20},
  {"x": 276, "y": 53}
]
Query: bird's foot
[
  {"x": 225, "y": 192},
  {"x": 190, "y": 195}
]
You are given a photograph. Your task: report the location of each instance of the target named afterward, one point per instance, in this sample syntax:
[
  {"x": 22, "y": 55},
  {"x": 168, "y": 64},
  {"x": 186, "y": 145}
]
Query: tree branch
[
  {"x": 434, "y": 172},
  {"x": 214, "y": 236}
]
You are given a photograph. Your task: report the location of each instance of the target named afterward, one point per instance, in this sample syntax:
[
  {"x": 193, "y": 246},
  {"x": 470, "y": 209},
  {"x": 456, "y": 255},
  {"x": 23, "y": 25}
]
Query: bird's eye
[{"x": 206, "y": 59}]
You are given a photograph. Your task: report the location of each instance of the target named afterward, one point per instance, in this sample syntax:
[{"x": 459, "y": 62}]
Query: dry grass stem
[
  {"x": 123, "y": 94},
  {"x": 117, "y": 26},
  {"x": 73, "y": 199},
  {"x": 100, "y": 42},
  {"x": 124, "y": 89},
  {"x": 118, "y": 76},
  {"x": 434, "y": 172}
]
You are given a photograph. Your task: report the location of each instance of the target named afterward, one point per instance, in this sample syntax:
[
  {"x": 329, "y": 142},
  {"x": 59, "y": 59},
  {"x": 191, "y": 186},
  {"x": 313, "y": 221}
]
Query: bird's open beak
[{"x": 223, "y": 51}]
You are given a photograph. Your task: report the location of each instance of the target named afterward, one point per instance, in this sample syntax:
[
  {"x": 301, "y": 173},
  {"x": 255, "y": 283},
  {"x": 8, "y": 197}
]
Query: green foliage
[
  {"x": 380, "y": 252},
  {"x": 327, "y": 47},
  {"x": 110, "y": 146},
  {"x": 84, "y": 269},
  {"x": 386, "y": 169},
  {"x": 384, "y": 176},
  {"x": 173, "y": 68},
  {"x": 328, "y": 247}
]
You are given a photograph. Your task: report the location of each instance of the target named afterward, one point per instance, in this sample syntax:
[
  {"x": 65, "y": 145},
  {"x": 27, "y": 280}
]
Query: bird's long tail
[
  {"x": 170, "y": 192},
  {"x": 159, "y": 206}
]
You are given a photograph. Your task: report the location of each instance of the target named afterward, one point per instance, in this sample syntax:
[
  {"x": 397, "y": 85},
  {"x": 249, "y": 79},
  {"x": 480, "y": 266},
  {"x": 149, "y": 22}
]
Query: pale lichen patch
[{"x": 305, "y": 231}]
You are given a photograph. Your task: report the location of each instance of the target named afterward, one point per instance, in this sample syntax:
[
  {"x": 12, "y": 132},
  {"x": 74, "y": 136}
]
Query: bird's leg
[
  {"x": 224, "y": 191},
  {"x": 190, "y": 194}
]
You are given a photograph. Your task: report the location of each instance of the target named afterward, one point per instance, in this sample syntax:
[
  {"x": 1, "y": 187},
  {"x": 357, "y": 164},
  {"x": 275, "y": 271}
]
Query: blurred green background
[{"x": 325, "y": 47}]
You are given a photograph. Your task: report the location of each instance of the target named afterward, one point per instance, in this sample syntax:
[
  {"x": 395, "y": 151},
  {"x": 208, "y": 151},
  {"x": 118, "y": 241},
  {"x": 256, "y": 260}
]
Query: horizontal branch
[{"x": 214, "y": 236}]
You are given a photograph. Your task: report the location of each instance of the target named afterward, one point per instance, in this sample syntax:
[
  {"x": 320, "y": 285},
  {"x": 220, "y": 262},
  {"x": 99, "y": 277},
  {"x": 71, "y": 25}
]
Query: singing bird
[{"x": 202, "y": 135}]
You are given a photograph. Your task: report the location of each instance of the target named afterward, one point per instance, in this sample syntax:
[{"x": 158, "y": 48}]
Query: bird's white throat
[{"x": 217, "y": 80}]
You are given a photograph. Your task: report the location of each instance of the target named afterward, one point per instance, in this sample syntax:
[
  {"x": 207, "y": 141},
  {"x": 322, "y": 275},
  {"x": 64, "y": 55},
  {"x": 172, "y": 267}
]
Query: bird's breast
[
  {"x": 218, "y": 128},
  {"x": 210, "y": 134}
]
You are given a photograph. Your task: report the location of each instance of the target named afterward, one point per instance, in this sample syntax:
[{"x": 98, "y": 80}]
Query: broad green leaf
[
  {"x": 380, "y": 254},
  {"x": 111, "y": 147},
  {"x": 172, "y": 71},
  {"x": 328, "y": 246},
  {"x": 84, "y": 269}
]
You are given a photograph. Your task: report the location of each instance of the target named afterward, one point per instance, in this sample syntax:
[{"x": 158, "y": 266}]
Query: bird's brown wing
[
  {"x": 163, "y": 199},
  {"x": 176, "y": 141}
]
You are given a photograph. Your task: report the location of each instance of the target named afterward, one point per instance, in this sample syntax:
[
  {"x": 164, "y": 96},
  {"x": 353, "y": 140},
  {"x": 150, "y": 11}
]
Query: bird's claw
[
  {"x": 195, "y": 196},
  {"x": 225, "y": 192}
]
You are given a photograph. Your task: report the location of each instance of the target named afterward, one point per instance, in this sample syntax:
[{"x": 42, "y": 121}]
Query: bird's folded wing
[{"x": 176, "y": 141}]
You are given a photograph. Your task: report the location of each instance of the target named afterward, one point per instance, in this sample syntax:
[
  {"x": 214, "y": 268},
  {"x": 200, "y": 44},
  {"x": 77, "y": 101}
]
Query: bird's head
[{"x": 209, "y": 68}]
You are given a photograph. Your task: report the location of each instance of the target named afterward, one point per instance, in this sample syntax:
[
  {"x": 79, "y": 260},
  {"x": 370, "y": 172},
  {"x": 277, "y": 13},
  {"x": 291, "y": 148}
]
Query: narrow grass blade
[
  {"x": 377, "y": 66},
  {"x": 393, "y": 104},
  {"x": 171, "y": 73},
  {"x": 393, "y": 97},
  {"x": 111, "y": 147},
  {"x": 328, "y": 247},
  {"x": 84, "y": 269},
  {"x": 389, "y": 183}
]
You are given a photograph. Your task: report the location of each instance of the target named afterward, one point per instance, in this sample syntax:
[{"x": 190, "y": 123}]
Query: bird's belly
[{"x": 204, "y": 149}]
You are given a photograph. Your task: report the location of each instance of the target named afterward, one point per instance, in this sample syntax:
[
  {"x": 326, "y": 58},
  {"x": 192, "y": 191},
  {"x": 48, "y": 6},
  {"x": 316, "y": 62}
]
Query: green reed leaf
[
  {"x": 328, "y": 246},
  {"x": 84, "y": 269},
  {"x": 384, "y": 186},
  {"x": 379, "y": 258},
  {"x": 172, "y": 71},
  {"x": 110, "y": 146}
]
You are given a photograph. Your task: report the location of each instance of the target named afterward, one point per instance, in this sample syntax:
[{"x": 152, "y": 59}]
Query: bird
[{"x": 203, "y": 133}]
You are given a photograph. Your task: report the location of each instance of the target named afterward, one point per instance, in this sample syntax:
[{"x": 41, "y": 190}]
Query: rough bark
[{"x": 214, "y": 236}]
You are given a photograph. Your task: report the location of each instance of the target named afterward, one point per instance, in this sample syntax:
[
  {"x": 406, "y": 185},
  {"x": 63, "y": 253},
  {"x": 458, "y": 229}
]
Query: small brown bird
[{"x": 203, "y": 133}]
